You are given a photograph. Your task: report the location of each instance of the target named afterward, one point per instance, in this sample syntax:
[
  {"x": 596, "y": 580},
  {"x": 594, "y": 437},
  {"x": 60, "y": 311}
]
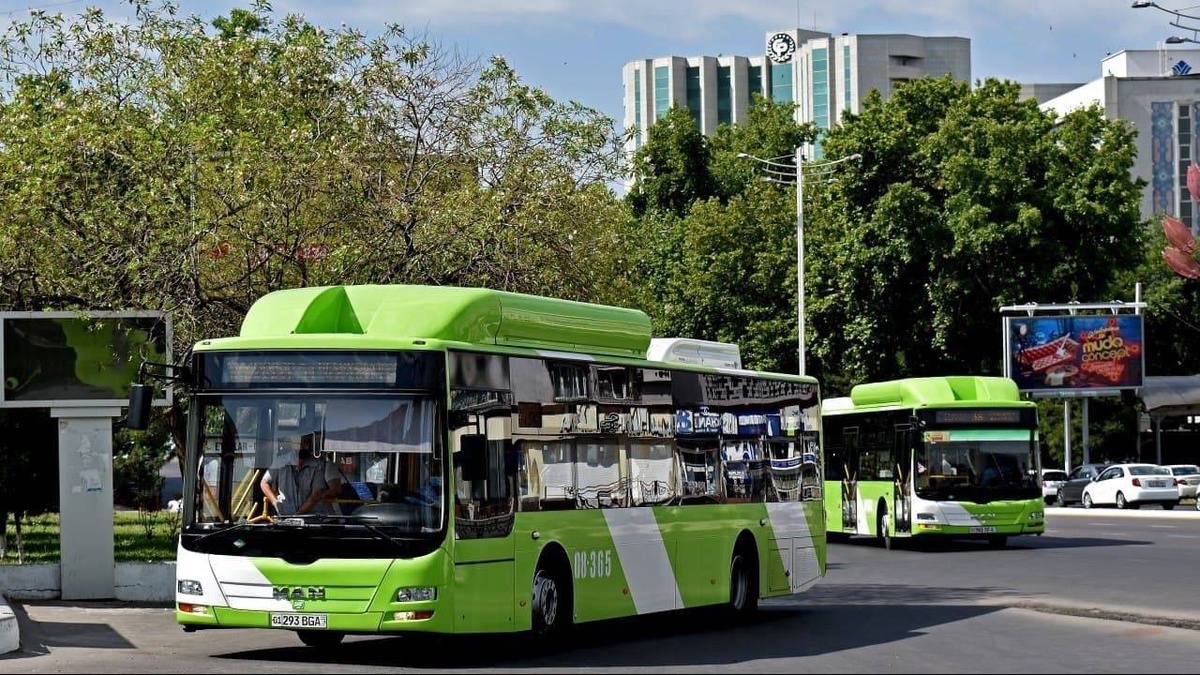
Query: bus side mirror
[
  {"x": 472, "y": 456},
  {"x": 140, "y": 396}
]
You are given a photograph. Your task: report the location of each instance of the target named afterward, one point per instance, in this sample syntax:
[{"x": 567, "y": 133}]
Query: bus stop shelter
[{"x": 1169, "y": 396}]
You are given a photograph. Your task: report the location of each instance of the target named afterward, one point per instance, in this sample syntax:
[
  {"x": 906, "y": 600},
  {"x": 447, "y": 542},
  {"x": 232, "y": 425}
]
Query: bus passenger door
[{"x": 484, "y": 512}]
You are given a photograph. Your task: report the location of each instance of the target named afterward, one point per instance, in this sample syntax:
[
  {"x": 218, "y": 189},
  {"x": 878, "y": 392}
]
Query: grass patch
[{"x": 137, "y": 537}]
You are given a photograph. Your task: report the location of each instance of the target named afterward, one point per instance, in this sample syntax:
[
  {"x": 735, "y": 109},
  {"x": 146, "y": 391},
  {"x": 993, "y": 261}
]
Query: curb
[
  {"x": 10, "y": 629},
  {"x": 1186, "y": 512}
]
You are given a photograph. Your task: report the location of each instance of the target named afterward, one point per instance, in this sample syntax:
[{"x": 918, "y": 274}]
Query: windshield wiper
[
  {"x": 236, "y": 526},
  {"x": 319, "y": 518}
]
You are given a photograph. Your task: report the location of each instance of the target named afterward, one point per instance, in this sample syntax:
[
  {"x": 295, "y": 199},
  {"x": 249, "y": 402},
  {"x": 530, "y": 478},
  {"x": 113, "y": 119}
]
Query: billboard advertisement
[
  {"x": 1074, "y": 354},
  {"x": 51, "y": 359}
]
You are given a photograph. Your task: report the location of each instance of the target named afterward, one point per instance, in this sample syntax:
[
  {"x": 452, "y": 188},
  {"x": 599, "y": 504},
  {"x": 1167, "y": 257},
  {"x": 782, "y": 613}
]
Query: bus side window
[{"x": 698, "y": 464}]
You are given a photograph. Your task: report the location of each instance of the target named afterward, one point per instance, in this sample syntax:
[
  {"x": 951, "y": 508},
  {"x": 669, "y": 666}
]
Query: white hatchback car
[
  {"x": 1188, "y": 476},
  {"x": 1131, "y": 485},
  {"x": 1052, "y": 480}
]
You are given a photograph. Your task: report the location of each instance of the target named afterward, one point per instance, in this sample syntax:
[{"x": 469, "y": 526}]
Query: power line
[{"x": 10, "y": 12}]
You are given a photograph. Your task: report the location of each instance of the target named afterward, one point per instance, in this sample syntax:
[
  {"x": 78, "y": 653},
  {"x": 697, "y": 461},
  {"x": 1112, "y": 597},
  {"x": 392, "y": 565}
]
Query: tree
[
  {"x": 163, "y": 164},
  {"x": 1172, "y": 315},
  {"x": 718, "y": 260},
  {"x": 160, "y": 165},
  {"x": 966, "y": 200},
  {"x": 671, "y": 171}
]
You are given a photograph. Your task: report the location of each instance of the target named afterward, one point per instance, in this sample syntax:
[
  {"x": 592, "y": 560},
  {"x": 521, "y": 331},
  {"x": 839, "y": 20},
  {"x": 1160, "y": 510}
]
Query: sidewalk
[
  {"x": 133, "y": 582},
  {"x": 10, "y": 633}
]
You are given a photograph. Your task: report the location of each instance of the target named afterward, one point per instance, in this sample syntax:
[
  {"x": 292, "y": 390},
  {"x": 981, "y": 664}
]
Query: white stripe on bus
[
  {"x": 956, "y": 514},
  {"x": 236, "y": 573},
  {"x": 644, "y": 559}
]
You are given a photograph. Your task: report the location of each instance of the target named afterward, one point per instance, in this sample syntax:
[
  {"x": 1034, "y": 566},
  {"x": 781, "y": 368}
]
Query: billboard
[
  {"x": 1074, "y": 355},
  {"x": 56, "y": 359}
]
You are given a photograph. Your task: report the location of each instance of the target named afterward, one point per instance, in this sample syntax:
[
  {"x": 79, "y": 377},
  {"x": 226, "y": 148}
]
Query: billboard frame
[
  {"x": 1073, "y": 309},
  {"x": 165, "y": 400}
]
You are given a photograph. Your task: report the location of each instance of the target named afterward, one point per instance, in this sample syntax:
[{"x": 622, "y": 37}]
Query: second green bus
[{"x": 933, "y": 457}]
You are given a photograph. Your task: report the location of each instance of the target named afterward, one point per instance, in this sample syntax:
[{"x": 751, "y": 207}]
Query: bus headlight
[
  {"x": 189, "y": 587},
  {"x": 416, "y": 594},
  {"x": 1037, "y": 515}
]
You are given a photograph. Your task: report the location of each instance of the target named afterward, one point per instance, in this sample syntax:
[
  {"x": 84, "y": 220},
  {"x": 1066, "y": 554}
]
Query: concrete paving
[{"x": 10, "y": 636}]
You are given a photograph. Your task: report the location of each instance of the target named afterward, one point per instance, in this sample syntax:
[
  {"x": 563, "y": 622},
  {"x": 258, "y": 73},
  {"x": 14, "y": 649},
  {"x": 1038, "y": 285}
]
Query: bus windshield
[
  {"x": 328, "y": 458},
  {"x": 947, "y": 464}
]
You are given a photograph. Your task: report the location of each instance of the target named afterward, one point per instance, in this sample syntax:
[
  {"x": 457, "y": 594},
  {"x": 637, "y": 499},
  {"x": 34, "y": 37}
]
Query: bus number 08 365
[{"x": 593, "y": 564}]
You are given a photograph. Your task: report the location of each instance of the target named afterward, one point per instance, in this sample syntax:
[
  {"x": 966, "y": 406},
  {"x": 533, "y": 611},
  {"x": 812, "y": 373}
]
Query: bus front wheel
[
  {"x": 321, "y": 639},
  {"x": 885, "y": 532}
]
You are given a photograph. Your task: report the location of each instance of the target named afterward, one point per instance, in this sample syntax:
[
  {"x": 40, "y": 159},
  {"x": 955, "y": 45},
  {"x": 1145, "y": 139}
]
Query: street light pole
[
  {"x": 800, "y": 256},
  {"x": 777, "y": 170},
  {"x": 1179, "y": 16}
]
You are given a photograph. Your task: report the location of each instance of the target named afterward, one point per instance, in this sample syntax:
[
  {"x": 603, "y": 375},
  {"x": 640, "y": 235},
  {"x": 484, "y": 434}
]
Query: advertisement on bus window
[{"x": 1074, "y": 354}]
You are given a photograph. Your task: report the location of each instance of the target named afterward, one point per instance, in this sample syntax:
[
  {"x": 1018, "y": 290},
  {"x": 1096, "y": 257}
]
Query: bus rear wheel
[
  {"x": 551, "y": 602},
  {"x": 320, "y": 639}
]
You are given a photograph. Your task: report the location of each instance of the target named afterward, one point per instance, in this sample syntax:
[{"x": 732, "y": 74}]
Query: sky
[{"x": 575, "y": 49}]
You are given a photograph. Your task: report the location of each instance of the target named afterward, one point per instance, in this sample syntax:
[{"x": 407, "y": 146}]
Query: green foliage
[
  {"x": 966, "y": 200},
  {"x": 1172, "y": 323},
  {"x": 161, "y": 164},
  {"x": 137, "y": 458},
  {"x": 166, "y": 164},
  {"x": 130, "y": 541},
  {"x": 671, "y": 171},
  {"x": 1112, "y": 430},
  {"x": 717, "y": 246}
]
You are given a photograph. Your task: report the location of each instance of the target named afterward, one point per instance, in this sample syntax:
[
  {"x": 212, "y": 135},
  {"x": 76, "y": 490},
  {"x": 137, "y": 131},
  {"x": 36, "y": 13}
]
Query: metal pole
[
  {"x": 1087, "y": 451},
  {"x": 1067, "y": 434},
  {"x": 800, "y": 255}
]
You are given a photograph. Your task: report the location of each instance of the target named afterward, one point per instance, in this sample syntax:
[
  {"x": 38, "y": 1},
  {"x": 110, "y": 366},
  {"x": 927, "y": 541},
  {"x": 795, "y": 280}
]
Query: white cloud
[{"x": 691, "y": 18}]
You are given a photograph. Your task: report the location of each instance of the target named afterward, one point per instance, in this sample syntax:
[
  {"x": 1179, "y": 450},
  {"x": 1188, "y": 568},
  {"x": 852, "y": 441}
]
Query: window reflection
[{"x": 381, "y": 450}]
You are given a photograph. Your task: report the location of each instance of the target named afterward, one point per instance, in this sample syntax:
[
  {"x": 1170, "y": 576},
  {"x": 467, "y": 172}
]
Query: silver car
[
  {"x": 1052, "y": 480},
  {"x": 1187, "y": 477}
]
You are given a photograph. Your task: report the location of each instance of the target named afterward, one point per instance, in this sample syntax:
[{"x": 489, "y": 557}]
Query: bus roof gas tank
[{"x": 702, "y": 352}]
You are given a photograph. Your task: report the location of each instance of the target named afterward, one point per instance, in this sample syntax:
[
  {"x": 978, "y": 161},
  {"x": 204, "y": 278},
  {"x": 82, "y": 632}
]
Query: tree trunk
[{"x": 20, "y": 542}]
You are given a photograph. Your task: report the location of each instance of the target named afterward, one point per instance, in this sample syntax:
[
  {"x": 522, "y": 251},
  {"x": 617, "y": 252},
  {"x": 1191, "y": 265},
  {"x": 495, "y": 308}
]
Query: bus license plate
[
  {"x": 985, "y": 529},
  {"x": 298, "y": 621}
]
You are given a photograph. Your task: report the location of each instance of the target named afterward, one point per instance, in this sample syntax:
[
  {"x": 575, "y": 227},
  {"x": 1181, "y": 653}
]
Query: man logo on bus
[{"x": 300, "y": 593}]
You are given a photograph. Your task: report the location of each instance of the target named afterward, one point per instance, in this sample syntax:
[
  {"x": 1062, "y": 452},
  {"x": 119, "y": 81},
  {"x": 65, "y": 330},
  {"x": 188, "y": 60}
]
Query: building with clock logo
[{"x": 826, "y": 75}]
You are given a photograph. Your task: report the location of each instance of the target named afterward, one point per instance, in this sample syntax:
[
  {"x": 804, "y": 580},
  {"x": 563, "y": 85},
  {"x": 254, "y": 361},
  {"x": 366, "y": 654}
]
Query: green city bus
[
  {"x": 932, "y": 457},
  {"x": 505, "y": 462}
]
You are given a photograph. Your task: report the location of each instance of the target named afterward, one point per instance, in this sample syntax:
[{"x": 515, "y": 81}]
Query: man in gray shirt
[{"x": 304, "y": 487}]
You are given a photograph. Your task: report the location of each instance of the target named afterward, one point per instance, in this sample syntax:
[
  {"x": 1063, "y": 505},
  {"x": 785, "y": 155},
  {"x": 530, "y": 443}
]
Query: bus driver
[{"x": 304, "y": 487}]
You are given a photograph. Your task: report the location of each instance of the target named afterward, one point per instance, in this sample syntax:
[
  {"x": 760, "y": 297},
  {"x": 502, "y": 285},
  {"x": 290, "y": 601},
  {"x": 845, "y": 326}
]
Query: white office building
[
  {"x": 1158, "y": 92},
  {"x": 825, "y": 75}
]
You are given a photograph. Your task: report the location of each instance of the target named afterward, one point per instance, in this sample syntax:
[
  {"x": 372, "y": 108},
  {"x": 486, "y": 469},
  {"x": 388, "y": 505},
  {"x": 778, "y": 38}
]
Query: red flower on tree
[{"x": 1180, "y": 252}]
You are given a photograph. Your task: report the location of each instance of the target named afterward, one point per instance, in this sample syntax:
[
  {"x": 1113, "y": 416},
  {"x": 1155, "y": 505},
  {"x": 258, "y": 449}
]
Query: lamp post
[
  {"x": 1175, "y": 39},
  {"x": 785, "y": 173}
]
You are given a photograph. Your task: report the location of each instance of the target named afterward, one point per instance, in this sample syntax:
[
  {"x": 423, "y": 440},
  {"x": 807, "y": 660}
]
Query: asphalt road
[{"x": 1101, "y": 592}]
